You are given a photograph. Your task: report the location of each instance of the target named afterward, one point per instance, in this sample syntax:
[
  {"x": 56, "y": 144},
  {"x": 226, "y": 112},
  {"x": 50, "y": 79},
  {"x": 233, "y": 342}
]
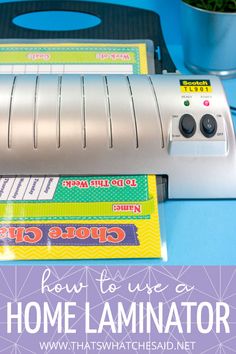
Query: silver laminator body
[{"x": 169, "y": 125}]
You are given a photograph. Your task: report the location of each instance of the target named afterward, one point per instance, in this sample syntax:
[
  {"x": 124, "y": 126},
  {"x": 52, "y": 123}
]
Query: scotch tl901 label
[{"x": 195, "y": 86}]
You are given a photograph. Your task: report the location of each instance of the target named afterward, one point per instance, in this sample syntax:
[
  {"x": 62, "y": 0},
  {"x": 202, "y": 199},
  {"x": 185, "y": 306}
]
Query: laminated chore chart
[
  {"x": 27, "y": 188},
  {"x": 81, "y": 217},
  {"x": 73, "y": 58},
  {"x": 78, "y": 217}
]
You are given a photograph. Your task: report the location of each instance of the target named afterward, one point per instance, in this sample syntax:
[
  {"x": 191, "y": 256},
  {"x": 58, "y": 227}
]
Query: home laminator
[{"x": 177, "y": 127}]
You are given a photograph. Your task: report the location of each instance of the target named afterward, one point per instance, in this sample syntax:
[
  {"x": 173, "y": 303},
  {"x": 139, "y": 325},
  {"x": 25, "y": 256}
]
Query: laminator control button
[
  {"x": 187, "y": 125},
  {"x": 208, "y": 125}
]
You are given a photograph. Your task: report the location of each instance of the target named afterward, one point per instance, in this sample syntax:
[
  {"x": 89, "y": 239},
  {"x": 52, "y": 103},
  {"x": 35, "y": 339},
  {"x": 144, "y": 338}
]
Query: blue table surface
[{"x": 197, "y": 232}]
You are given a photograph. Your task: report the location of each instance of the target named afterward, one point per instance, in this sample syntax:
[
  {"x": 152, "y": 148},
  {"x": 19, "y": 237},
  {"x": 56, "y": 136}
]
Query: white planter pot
[{"x": 209, "y": 41}]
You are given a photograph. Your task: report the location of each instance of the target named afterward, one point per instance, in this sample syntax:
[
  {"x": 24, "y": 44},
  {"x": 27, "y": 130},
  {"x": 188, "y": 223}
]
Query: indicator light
[
  {"x": 187, "y": 103},
  {"x": 206, "y": 103}
]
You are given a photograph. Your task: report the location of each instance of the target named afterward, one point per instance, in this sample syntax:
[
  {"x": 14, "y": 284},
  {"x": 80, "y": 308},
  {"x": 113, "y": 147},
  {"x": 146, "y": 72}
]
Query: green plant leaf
[{"x": 214, "y": 5}]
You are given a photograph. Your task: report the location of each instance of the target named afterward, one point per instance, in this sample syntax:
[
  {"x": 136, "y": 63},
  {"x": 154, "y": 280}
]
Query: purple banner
[
  {"x": 68, "y": 235},
  {"x": 117, "y": 309}
]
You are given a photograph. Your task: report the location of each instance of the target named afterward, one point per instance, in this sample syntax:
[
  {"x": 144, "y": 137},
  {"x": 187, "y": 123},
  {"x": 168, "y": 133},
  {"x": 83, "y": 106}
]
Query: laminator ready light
[{"x": 175, "y": 126}]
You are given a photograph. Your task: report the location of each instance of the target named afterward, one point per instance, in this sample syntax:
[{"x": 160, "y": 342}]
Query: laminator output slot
[{"x": 162, "y": 187}]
